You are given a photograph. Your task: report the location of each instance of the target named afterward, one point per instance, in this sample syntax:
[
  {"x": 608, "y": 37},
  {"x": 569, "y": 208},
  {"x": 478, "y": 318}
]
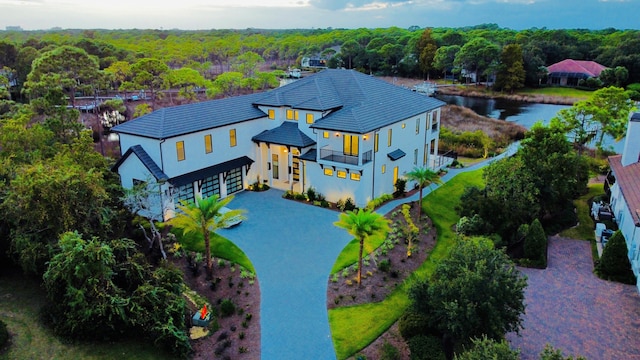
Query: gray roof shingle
[
  {"x": 144, "y": 157},
  {"x": 355, "y": 103},
  {"x": 185, "y": 119},
  {"x": 287, "y": 134}
]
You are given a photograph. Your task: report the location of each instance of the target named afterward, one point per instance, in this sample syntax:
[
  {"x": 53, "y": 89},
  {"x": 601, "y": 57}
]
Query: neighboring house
[
  {"x": 341, "y": 132},
  {"x": 625, "y": 192},
  {"x": 569, "y": 72}
]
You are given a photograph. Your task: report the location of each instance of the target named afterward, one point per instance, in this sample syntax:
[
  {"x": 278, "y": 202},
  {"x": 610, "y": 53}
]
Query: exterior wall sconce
[
  {"x": 337, "y": 134},
  {"x": 364, "y": 137}
]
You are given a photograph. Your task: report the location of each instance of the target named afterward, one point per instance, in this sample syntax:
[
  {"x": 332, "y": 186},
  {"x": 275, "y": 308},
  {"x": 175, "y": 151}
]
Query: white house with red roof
[
  {"x": 344, "y": 133},
  {"x": 569, "y": 72},
  {"x": 625, "y": 192}
]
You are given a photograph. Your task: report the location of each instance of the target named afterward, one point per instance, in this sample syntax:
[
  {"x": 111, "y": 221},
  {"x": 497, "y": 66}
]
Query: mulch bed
[{"x": 236, "y": 337}]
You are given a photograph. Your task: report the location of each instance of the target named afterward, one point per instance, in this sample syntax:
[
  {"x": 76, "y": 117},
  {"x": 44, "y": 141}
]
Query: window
[
  {"x": 208, "y": 144},
  {"x": 395, "y": 175},
  {"x": 325, "y": 134},
  {"x": 417, "y": 126},
  {"x": 296, "y": 115},
  {"x": 289, "y": 114},
  {"x": 350, "y": 145},
  {"x": 389, "y": 137},
  {"x": 272, "y": 114},
  {"x": 328, "y": 171},
  {"x": 342, "y": 174},
  {"x": 275, "y": 166},
  {"x": 355, "y": 176},
  {"x": 309, "y": 118},
  {"x": 180, "y": 150},
  {"x": 376, "y": 138},
  {"x": 415, "y": 157},
  {"x": 384, "y": 169},
  {"x": 233, "y": 141},
  {"x": 426, "y": 155}
]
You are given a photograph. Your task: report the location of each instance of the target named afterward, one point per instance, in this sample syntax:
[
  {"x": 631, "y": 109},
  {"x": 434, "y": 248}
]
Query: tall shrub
[
  {"x": 535, "y": 244},
  {"x": 614, "y": 264}
]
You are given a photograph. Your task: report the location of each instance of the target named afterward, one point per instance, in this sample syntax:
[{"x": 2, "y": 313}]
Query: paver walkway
[
  {"x": 293, "y": 247},
  {"x": 571, "y": 309}
]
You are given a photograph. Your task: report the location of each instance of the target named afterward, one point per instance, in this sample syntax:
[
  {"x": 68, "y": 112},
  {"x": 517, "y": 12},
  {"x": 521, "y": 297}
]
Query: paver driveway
[
  {"x": 572, "y": 309},
  {"x": 293, "y": 247}
]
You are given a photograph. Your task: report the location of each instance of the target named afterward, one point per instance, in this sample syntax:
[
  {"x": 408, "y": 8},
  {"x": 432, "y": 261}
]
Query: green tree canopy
[{"x": 476, "y": 291}]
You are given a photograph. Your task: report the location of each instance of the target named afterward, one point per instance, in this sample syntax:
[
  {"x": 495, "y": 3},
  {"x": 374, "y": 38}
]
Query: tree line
[{"x": 517, "y": 58}]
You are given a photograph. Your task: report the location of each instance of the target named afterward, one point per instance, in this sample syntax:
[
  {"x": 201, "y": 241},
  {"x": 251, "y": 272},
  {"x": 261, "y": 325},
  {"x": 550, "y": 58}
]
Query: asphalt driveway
[{"x": 293, "y": 247}]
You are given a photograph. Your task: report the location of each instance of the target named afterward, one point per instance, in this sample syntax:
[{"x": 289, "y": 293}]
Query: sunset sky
[{"x": 286, "y": 14}]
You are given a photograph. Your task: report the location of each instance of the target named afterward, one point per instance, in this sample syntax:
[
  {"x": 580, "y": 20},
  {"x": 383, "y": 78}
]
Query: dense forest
[{"x": 519, "y": 56}]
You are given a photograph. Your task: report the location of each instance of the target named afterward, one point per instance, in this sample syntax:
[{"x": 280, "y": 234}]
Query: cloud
[{"x": 356, "y": 4}]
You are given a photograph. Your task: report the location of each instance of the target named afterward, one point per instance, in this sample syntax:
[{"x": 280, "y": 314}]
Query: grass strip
[
  {"x": 221, "y": 247},
  {"x": 585, "y": 228},
  {"x": 355, "y": 327}
]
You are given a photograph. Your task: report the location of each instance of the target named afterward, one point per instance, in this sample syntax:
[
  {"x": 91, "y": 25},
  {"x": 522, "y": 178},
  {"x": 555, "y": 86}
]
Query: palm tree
[
  {"x": 204, "y": 216},
  {"x": 424, "y": 177},
  {"x": 363, "y": 225}
]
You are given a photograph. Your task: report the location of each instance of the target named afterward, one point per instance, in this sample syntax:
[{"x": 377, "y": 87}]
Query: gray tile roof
[
  {"x": 185, "y": 119},
  {"x": 287, "y": 134},
  {"x": 356, "y": 103},
  {"x": 309, "y": 155},
  {"x": 151, "y": 165},
  {"x": 396, "y": 154}
]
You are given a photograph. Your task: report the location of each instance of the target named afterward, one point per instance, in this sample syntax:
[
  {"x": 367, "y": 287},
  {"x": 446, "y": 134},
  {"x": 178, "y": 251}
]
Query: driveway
[
  {"x": 293, "y": 247},
  {"x": 575, "y": 311}
]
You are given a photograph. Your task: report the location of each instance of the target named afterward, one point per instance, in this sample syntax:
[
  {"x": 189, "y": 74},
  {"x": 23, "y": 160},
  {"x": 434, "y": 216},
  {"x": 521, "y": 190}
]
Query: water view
[{"x": 525, "y": 114}]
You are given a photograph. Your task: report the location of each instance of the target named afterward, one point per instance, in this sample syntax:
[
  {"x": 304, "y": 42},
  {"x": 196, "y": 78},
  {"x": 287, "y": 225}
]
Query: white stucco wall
[{"x": 628, "y": 228}]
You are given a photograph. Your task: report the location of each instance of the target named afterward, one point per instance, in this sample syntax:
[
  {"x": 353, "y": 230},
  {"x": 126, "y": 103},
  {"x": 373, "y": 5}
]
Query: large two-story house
[
  {"x": 341, "y": 132},
  {"x": 625, "y": 192}
]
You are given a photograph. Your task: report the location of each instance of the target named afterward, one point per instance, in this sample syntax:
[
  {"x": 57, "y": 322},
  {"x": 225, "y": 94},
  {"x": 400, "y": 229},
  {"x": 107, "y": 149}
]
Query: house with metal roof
[
  {"x": 344, "y": 133},
  {"x": 569, "y": 72},
  {"x": 625, "y": 192}
]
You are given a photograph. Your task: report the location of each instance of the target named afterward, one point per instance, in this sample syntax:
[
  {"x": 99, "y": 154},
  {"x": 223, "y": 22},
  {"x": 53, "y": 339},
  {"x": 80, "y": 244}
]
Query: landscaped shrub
[
  {"x": 379, "y": 201},
  {"x": 486, "y": 348},
  {"x": 551, "y": 353},
  {"x": 413, "y": 324},
  {"x": 384, "y": 265},
  {"x": 300, "y": 197},
  {"x": 424, "y": 347},
  {"x": 227, "y": 308},
  {"x": 614, "y": 264},
  {"x": 400, "y": 186},
  {"x": 349, "y": 205},
  {"x": 311, "y": 194},
  {"x": 4, "y": 334},
  {"x": 474, "y": 225},
  {"x": 389, "y": 352},
  {"x": 535, "y": 244}
]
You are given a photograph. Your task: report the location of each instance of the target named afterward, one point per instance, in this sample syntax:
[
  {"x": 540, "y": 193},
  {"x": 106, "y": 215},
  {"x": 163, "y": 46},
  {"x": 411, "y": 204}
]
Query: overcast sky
[{"x": 287, "y": 14}]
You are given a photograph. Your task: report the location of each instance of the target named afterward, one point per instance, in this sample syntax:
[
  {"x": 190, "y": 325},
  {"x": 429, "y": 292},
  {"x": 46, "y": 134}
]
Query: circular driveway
[{"x": 293, "y": 247}]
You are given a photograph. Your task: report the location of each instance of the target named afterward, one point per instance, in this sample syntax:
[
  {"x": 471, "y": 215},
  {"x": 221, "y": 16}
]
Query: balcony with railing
[{"x": 340, "y": 157}]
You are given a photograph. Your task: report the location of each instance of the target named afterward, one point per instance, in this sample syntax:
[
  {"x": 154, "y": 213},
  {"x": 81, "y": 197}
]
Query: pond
[{"x": 525, "y": 114}]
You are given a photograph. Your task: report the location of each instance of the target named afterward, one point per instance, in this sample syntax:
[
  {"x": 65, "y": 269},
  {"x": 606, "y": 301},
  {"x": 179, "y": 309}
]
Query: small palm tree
[
  {"x": 204, "y": 216},
  {"x": 363, "y": 225},
  {"x": 424, "y": 177}
]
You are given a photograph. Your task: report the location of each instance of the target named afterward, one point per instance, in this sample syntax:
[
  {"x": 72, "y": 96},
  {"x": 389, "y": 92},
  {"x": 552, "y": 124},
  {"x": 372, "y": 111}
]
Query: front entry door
[
  {"x": 275, "y": 166},
  {"x": 296, "y": 169}
]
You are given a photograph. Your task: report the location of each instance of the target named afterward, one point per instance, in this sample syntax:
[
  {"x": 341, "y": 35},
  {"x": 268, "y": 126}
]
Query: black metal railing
[{"x": 338, "y": 156}]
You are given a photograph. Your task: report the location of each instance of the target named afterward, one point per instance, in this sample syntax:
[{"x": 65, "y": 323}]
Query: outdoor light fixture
[
  {"x": 364, "y": 137},
  {"x": 337, "y": 134}
]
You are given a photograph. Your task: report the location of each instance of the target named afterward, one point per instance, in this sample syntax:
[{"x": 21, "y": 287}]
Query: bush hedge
[{"x": 424, "y": 347}]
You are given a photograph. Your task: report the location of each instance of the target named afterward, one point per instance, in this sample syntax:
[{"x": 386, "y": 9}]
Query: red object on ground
[{"x": 203, "y": 312}]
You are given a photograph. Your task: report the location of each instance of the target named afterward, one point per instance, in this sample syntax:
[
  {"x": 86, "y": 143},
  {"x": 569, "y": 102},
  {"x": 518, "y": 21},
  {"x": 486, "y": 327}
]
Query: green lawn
[
  {"x": 355, "y": 327},
  {"x": 557, "y": 91},
  {"x": 20, "y": 304},
  {"x": 220, "y": 247},
  {"x": 585, "y": 228}
]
